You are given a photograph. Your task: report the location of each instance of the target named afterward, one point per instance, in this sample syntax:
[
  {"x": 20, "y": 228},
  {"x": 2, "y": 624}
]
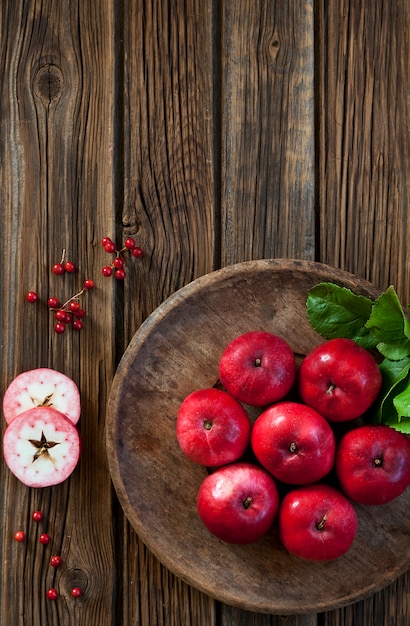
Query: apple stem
[
  {"x": 320, "y": 525},
  {"x": 247, "y": 502},
  {"x": 378, "y": 462},
  {"x": 329, "y": 390},
  {"x": 258, "y": 362},
  {"x": 292, "y": 447},
  {"x": 207, "y": 424}
]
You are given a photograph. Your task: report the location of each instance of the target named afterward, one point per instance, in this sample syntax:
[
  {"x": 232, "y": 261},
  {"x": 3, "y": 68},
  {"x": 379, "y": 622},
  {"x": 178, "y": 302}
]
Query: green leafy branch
[{"x": 380, "y": 325}]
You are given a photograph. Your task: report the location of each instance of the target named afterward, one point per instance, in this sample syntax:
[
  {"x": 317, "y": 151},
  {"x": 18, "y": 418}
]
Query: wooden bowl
[{"x": 177, "y": 350}]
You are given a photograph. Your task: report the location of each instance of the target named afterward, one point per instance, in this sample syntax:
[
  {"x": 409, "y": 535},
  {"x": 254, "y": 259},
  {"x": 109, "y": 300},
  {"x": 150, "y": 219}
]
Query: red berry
[
  {"x": 119, "y": 263},
  {"x": 20, "y": 536},
  {"x": 31, "y": 296},
  {"x": 69, "y": 267},
  {"x": 129, "y": 243},
  {"x": 58, "y": 269},
  {"x": 74, "y": 306},
  {"x": 45, "y": 539},
  {"x": 105, "y": 240},
  {"x": 52, "y": 594},
  {"x": 107, "y": 271},
  {"x": 61, "y": 316},
  {"x": 77, "y": 324},
  {"x": 56, "y": 561},
  {"x": 137, "y": 252},
  {"x": 59, "y": 328},
  {"x": 88, "y": 284},
  {"x": 37, "y": 516},
  {"x": 120, "y": 274},
  {"x": 79, "y": 313},
  {"x": 76, "y": 592},
  {"x": 53, "y": 303},
  {"x": 110, "y": 247}
]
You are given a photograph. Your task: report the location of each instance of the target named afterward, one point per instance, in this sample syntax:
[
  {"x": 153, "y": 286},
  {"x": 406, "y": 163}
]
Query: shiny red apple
[
  {"x": 373, "y": 464},
  {"x": 294, "y": 443},
  {"x": 339, "y": 379},
  {"x": 258, "y": 368},
  {"x": 238, "y": 503},
  {"x": 213, "y": 428},
  {"x": 317, "y": 522}
]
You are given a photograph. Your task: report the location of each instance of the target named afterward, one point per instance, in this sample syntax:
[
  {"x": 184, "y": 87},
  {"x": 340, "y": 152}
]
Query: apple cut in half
[
  {"x": 43, "y": 387},
  {"x": 41, "y": 447}
]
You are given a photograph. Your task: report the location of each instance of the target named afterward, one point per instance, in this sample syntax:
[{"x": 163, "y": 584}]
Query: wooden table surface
[{"x": 212, "y": 133}]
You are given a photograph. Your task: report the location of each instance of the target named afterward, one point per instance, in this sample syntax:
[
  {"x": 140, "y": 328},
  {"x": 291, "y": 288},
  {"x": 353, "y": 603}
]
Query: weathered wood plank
[
  {"x": 168, "y": 206},
  {"x": 267, "y": 130},
  {"x": 364, "y": 139},
  {"x": 364, "y": 164},
  {"x": 389, "y": 607},
  {"x": 235, "y": 617},
  {"x": 267, "y": 155},
  {"x": 57, "y": 125}
]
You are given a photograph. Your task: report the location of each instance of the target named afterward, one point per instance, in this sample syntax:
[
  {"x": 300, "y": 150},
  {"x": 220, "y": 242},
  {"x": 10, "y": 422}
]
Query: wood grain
[
  {"x": 363, "y": 174},
  {"x": 57, "y": 176},
  {"x": 168, "y": 205},
  {"x": 267, "y": 130},
  {"x": 364, "y": 140}
]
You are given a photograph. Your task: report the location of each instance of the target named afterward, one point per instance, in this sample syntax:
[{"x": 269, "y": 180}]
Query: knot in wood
[
  {"x": 48, "y": 84},
  {"x": 272, "y": 48}
]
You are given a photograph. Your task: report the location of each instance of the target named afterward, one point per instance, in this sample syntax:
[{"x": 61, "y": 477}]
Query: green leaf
[
  {"x": 403, "y": 426},
  {"x": 402, "y": 402},
  {"x": 394, "y": 352},
  {"x": 335, "y": 311},
  {"x": 395, "y": 380},
  {"x": 388, "y": 322}
]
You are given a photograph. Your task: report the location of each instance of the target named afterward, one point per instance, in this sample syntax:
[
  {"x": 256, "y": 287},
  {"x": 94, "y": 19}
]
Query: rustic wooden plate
[{"x": 176, "y": 351}]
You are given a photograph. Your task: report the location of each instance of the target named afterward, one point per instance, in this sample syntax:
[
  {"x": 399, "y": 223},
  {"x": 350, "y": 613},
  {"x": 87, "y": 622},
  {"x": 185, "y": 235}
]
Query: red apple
[
  {"x": 238, "y": 503},
  {"x": 339, "y": 379},
  {"x": 373, "y": 464},
  {"x": 258, "y": 368},
  {"x": 294, "y": 443},
  {"x": 41, "y": 447},
  {"x": 213, "y": 428},
  {"x": 317, "y": 523},
  {"x": 42, "y": 387}
]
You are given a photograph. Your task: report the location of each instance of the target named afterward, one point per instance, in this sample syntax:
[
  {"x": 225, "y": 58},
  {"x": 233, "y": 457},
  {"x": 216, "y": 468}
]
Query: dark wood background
[{"x": 213, "y": 132}]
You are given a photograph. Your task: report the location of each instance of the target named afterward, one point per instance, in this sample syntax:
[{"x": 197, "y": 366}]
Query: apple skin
[
  {"x": 238, "y": 503},
  {"x": 213, "y": 428},
  {"x": 258, "y": 368},
  {"x": 317, "y": 522},
  {"x": 294, "y": 443},
  {"x": 373, "y": 464},
  {"x": 339, "y": 379}
]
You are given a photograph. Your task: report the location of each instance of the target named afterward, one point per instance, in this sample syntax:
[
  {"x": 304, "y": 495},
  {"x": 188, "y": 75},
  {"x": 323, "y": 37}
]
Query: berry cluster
[
  {"x": 71, "y": 313},
  {"x": 55, "y": 560},
  {"x": 64, "y": 266},
  {"x": 117, "y": 267}
]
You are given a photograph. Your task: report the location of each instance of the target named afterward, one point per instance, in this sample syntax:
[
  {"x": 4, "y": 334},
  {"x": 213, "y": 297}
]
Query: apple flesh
[
  {"x": 212, "y": 428},
  {"x": 258, "y": 368},
  {"x": 317, "y": 523},
  {"x": 42, "y": 387},
  {"x": 373, "y": 464},
  {"x": 238, "y": 503},
  {"x": 41, "y": 447},
  {"x": 294, "y": 443},
  {"x": 339, "y": 379}
]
